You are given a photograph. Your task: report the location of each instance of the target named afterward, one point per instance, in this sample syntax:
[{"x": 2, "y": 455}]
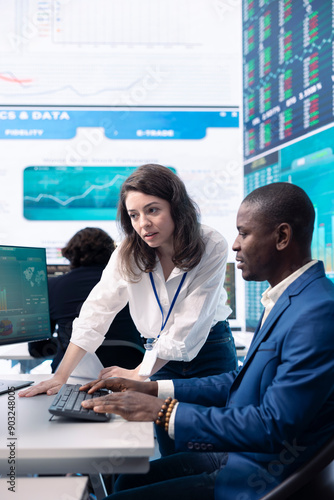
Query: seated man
[{"x": 243, "y": 432}]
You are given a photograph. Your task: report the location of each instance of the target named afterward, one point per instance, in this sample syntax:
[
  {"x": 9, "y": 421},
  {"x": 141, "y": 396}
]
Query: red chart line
[{"x": 13, "y": 79}]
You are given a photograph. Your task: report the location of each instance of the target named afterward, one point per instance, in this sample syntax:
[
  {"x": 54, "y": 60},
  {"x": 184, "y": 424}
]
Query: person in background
[
  {"x": 88, "y": 252},
  {"x": 170, "y": 269},
  {"x": 244, "y": 432}
]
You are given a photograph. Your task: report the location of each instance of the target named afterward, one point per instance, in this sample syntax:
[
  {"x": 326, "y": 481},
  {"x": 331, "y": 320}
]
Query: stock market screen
[{"x": 288, "y": 58}]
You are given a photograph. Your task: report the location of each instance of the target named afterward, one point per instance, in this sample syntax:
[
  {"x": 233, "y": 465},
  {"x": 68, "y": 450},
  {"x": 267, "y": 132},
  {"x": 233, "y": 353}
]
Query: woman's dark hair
[
  {"x": 284, "y": 202},
  {"x": 159, "y": 181},
  {"x": 89, "y": 247}
]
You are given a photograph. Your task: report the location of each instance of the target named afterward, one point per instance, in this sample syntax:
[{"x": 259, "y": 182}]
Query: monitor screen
[
  {"x": 288, "y": 113},
  {"x": 24, "y": 302}
]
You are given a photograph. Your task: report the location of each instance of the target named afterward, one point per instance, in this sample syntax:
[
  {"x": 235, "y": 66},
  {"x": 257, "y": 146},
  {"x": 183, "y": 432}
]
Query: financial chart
[
  {"x": 64, "y": 167},
  {"x": 288, "y": 75},
  {"x": 72, "y": 193},
  {"x": 120, "y": 52},
  {"x": 288, "y": 112}
]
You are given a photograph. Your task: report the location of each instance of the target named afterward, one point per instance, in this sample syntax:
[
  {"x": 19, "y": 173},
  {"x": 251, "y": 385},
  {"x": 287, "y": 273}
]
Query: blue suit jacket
[{"x": 278, "y": 409}]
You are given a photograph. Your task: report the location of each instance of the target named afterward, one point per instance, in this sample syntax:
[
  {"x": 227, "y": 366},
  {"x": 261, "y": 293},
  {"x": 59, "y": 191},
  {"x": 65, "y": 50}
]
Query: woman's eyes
[{"x": 151, "y": 210}]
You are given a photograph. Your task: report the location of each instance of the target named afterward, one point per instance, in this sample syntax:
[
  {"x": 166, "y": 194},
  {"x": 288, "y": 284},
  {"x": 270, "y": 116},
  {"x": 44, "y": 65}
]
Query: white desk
[
  {"x": 50, "y": 488},
  {"x": 61, "y": 446}
]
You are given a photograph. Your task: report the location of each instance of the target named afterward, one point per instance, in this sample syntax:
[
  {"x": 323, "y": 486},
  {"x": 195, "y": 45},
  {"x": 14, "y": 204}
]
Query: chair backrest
[
  {"x": 125, "y": 343},
  {"x": 123, "y": 353},
  {"x": 314, "y": 480}
]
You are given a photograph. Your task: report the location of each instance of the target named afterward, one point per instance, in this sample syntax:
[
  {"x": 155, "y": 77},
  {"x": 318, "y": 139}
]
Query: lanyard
[{"x": 163, "y": 323}]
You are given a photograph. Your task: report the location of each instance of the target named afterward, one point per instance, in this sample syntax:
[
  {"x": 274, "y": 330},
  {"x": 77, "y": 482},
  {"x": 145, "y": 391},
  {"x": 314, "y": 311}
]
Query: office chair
[
  {"x": 124, "y": 353},
  {"x": 123, "y": 345},
  {"x": 313, "y": 481}
]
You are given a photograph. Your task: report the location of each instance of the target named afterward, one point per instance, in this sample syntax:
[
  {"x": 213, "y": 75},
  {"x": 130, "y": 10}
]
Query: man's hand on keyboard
[
  {"x": 134, "y": 406},
  {"x": 121, "y": 385}
]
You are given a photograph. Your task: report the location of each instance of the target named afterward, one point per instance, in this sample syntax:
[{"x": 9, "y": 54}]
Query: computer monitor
[{"x": 24, "y": 302}]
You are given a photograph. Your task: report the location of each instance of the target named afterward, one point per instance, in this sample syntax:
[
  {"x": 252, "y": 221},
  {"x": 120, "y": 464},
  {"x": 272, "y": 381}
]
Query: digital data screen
[
  {"x": 119, "y": 53},
  {"x": 24, "y": 303},
  {"x": 288, "y": 70},
  {"x": 90, "y": 91},
  {"x": 288, "y": 113},
  {"x": 65, "y": 167}
]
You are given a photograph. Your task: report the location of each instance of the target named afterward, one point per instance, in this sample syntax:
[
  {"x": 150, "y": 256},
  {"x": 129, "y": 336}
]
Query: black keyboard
[{"x": 67, "y": 403}]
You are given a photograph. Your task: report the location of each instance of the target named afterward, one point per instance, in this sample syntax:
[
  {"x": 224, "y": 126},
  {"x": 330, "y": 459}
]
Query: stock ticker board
[{"x": 288, "y": 74}]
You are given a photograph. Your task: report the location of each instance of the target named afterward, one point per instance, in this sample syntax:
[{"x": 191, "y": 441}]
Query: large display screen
[
  {"x": 119, "y": 52},
  {"x": 64, "y": 168},
  {"x": 288, "y": 71},
  {"x": 91, "y": 90},
  {"x": 288, "y": 112}
]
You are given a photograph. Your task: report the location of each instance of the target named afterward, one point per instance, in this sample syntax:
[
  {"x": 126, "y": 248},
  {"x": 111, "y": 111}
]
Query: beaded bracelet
[
  {"x": 161, "y": 415},
  {"x": 165, "y": 413},
  {"x": 169, "y": 412}
]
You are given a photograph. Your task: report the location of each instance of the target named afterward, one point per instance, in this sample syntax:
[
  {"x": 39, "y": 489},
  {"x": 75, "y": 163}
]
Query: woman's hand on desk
[
  {"x": 50, "y": 387},
  {"x": 133, "y": 406}
]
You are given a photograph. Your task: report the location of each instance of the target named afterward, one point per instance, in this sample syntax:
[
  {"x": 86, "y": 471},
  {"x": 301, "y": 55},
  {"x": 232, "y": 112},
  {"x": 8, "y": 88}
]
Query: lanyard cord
[{"x": 163, "y": 323}]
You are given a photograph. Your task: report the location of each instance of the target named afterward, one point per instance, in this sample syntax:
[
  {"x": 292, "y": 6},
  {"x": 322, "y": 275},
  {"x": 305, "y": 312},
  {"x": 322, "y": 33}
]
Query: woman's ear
[{"x": 283, "y": 235}]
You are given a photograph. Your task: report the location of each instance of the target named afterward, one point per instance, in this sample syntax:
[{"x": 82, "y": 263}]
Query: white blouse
[{"x": 199, "y": 305}]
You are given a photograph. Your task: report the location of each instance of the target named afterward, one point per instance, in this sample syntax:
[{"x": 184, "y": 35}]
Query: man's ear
[{"x": 283, "y": 235}]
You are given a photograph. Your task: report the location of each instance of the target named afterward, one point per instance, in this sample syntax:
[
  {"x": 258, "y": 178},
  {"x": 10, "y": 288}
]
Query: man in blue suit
[{"x": 243, "y": 432}]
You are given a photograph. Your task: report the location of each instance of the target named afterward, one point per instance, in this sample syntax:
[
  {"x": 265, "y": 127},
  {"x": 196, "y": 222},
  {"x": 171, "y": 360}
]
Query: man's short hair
[{"x": 284, "y": 202}]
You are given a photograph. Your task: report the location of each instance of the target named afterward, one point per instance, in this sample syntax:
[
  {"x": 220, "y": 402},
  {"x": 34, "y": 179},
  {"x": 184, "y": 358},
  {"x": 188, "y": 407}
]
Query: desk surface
[
  {"x": 60, "y": 446},
  {"x": 52, "y": 488}
]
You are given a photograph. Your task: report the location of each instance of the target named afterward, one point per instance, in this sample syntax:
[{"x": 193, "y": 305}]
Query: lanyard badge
[{"x": 150, "y": 342}]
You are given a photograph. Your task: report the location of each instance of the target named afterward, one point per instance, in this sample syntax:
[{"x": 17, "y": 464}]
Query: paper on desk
[{"x": 89, "y": 367}]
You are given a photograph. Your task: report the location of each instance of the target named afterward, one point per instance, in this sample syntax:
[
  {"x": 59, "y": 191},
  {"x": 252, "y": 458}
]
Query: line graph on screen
[{"x": 72, "y": 193}]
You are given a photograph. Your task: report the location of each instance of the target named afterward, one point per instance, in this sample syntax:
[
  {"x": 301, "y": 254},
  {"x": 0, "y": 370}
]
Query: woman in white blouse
[{"x": 170, "y": 269}]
